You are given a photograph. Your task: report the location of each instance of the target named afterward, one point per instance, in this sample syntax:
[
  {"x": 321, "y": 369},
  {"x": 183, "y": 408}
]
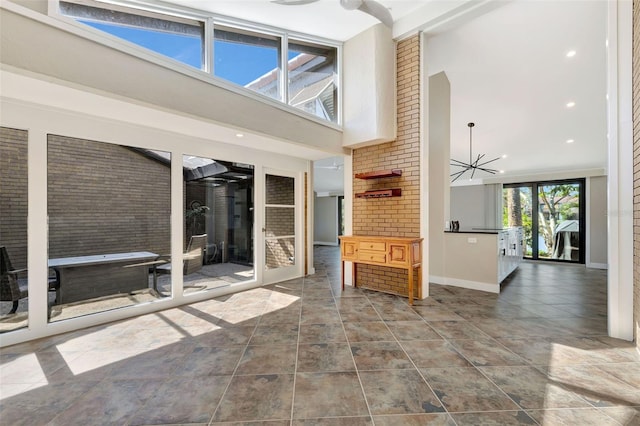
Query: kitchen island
[{"x": 481, "y": 258}]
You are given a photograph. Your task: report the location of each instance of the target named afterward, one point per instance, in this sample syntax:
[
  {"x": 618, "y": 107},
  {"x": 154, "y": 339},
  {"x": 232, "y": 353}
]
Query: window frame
[{"x": 210, "y": 20}]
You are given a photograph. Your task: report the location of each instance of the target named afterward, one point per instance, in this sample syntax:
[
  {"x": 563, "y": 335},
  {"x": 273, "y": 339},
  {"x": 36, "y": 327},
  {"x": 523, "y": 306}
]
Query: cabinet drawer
[
  {"x": 372, "y": 246},
  {"x": 372, "y": 256}
]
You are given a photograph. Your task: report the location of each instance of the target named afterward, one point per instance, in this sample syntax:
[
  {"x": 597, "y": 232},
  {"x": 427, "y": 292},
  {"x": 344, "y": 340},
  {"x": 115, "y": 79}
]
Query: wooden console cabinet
[{"x": 392, "y": 252}]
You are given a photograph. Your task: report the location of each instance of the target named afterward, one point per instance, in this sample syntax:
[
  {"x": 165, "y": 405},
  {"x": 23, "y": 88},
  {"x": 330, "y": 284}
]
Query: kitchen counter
[{"x": 475, "y": 231}]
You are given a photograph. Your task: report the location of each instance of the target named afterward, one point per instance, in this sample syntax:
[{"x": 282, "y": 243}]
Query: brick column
[{"x": 396, "y": 216}]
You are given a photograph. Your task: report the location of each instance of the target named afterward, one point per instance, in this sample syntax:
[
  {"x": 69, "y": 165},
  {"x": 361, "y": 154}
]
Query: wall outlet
[{"x": 472, "y": 240}]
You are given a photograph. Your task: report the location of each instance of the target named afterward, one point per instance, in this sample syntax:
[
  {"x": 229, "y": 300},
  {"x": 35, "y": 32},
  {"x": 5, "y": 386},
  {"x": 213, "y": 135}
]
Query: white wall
[
  {"x": 325, "y": 225},
  {"x": 438, "y": 152},
  {"x": 477, "y": 206},
  {"x": 597, "y": 222},
  {"x": 369, "y": 89}
]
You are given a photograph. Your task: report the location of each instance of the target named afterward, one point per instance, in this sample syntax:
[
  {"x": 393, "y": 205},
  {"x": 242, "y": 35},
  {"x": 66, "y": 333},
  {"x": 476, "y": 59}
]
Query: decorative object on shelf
[
  {"x": 471, "y": 165},
  {"x": 455, "y": 226},
  {"x": 380, "y": 193}
]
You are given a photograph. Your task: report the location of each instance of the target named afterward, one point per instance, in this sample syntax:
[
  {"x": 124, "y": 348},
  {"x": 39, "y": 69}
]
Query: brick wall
[
  {"x": 636, "y": 171},
  {"x": 396, "y": 216},
  {"x": 13, "y": 194},
  {"x": 105, "y": 198}
]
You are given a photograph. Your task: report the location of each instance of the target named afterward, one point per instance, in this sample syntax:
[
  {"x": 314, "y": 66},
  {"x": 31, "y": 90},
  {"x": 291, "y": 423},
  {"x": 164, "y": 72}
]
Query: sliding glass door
[{"x": 552, "y": 216}]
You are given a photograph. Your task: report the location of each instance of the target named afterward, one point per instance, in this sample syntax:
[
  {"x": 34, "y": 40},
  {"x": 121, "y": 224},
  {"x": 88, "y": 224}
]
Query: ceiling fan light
[{"x": 351, "y": 4}]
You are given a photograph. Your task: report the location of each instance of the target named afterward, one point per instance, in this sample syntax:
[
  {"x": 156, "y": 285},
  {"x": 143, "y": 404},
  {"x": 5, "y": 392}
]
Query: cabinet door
[
  {"x": 398, "y": 254},
  {"x": 349, "y": 251}
]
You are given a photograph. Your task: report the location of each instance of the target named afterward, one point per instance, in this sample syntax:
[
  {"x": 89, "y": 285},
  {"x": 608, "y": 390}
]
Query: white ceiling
[
  {"x": 510, "y": 75},
  {"x": 507, "y": 66},
  {"x": 323, "y": 18}
]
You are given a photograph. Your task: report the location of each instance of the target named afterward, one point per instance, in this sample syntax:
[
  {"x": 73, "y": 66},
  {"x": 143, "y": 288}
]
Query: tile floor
[{"x": 303, "y": 353}]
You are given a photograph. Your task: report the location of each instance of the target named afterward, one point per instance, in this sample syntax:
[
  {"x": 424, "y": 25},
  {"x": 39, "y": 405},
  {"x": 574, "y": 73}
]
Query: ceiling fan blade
[
  {"x": 293, "y": 2},
  {"x": 378, "y": 11}
]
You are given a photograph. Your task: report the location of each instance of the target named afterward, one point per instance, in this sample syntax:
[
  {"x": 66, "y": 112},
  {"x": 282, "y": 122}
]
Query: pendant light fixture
[{"x": 471, "y": 165}]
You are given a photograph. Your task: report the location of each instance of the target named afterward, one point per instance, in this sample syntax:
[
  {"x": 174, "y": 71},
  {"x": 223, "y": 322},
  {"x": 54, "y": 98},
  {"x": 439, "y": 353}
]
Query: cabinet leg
[
  {"x": 410, "y": 272},
  {"x": 354, "y": 275}
]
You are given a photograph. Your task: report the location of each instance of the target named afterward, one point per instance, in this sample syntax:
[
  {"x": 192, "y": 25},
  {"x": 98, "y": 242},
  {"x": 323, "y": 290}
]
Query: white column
[{"x": 620, "y": 200}]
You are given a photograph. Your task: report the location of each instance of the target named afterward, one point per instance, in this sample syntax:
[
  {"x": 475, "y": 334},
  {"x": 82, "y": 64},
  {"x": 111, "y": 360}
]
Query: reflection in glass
[
  {"x": 248, "y": 59},
  {"x": 312, "y": 79},
  {"x": 558, "y": 221},
  {"x": 279, "y": 221},
  {"x": 109, "y": 208},
  {"x": 517, "y": 211},
  {"x": 549, "y": 213},
  {"x": 218, "y": 223},
  {"x": 14, "y": 302},
  {"x": 178, "y": 38}
]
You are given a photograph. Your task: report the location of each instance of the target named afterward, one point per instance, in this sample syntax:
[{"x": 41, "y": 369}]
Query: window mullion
[
  {"x": 208, "y": 46},
  {"x": 284, "y": 66}
]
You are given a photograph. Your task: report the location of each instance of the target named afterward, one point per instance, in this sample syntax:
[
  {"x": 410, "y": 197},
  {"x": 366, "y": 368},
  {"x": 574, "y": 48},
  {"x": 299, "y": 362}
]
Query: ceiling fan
[
  {"x": 335, "y": 166},
  {"x": 371, "y": 7}
]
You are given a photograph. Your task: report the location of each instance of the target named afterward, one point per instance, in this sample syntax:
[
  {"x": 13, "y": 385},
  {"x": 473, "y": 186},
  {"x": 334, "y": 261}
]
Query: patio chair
[
  {"x": 12, "y": 287},
  {"x": 193, "y": 257}
]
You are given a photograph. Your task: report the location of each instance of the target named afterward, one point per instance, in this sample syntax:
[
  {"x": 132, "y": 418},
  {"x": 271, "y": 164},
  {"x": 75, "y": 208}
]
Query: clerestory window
[
  {"x": 178, "y": 38},
  {"x": 248, "y": 59},
  {"x": 291, "y": 70}
]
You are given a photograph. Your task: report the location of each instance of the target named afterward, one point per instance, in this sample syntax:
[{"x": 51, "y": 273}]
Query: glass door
[
  {"x": 280, "y": 226},
  {"x": 556, "y": 230}
]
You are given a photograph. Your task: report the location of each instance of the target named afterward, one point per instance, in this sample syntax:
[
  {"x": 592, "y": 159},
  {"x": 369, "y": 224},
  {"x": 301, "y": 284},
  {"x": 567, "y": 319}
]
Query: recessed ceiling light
[
  {"x": 571, "y": 104},
  {"x": 571, "y": 53},
  {"x": 239, "y": 135},
  {"x": 570, "y": 141},
  {"x": 504, "y": 155},
  {"x": 501, "y": 171}
]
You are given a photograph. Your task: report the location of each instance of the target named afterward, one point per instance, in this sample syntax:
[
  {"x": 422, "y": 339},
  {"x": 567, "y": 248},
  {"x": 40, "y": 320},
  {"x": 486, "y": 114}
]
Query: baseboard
[
  {"x": 436, "y": 279},
  {"x": 471, "y": 285},
  {"x": 597, "y": 265},
  {"x": 324, "y": 243}
]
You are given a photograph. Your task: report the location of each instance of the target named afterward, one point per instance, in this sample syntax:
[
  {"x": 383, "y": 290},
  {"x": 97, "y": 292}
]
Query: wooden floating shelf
[
  {"x": 381, "y": 193},
  {"x": 379, "y": 174}
]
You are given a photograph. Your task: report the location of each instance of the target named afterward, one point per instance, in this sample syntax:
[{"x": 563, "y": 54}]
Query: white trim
[
  {"x": 473, "y": 285},
  {"x": 424, "y": 164},
  {"x": 538, "y": 176},
  {"x": 620, "y": 158},
  {"x": 37, "y": 226},
  {"x": 310, "y": 218},
  {"x": 348, "y": 207},
  {"x": 297, "y": 269},
  {"x": 587, "y": 221}
]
